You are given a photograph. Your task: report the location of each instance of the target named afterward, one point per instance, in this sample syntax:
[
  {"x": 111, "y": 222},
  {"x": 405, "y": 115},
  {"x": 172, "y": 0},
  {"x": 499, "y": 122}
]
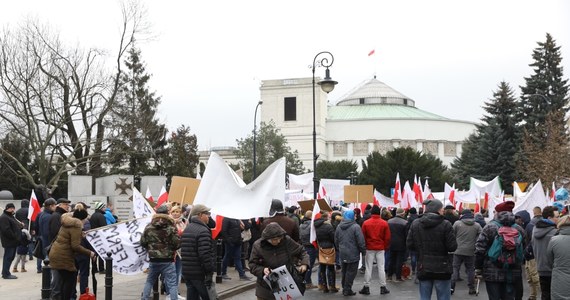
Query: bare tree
[{"x": 58, "y": 98}]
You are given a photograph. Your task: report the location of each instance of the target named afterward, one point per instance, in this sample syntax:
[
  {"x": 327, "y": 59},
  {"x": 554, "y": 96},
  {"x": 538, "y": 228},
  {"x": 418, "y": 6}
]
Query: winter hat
[
  {"x": 163, "y": 209},
  {"x": 63, "y": 200},
  {"x": 505, "y": 206},
  {"x": 467, "y": 213},
  {"x": 80, "y": 212},
  {"x": 49, "y": 201},
  {"x": 276, "y": 207},
  {"x": 357, "y": 211},
  {"x": 400, "y": 211},
  {"x": 199, "y": 209},
  {"x": 413, "y": 211},
  {"x": 433, "y": 206},
  {"x": 99, "y": 205},
  {"x": 348, "y": 215},
  {"x": 449, "y": 207},
  {"x": 10, "y": 205},
  {"x": 375, "y": 210}
]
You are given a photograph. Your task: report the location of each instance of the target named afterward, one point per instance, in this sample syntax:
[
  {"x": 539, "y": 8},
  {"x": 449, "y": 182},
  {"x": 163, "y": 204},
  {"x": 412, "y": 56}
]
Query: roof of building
[
  {"x": 379, "y": 111},
  {"x": 373, "y": 99}
]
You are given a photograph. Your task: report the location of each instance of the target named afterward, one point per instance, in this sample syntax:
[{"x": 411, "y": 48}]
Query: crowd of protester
[{"x": 429, "y": 245}]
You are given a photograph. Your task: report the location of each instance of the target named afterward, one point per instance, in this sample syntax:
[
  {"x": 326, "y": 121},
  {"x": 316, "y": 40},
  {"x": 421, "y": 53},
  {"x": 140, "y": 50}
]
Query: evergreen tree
[
  {"x": 545, "y": 95},
  {"x": 182, "y": 157},
  {"x": 271, "y": 145},
  {"x": 491, "y": 151},
  {"x": 139, "y": 139},
  {"x": 380, "y": 170},
  {"x": 545, "y": 90},
  {"x": 339, "y": 169}
]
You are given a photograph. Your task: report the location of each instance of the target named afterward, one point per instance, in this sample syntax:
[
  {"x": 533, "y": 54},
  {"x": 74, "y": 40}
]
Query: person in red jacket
[{"x": 377, "y": 236}]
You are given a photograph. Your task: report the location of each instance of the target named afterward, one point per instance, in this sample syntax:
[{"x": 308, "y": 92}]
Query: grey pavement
[{"x": 28, "y": 285}]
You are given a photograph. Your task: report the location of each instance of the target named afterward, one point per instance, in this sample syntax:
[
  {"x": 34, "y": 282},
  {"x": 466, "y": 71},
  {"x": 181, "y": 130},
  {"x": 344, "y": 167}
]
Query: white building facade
[{"x": 372, "y": 117}]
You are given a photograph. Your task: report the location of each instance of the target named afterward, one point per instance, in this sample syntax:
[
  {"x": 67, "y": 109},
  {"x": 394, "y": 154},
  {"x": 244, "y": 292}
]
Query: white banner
[
  {"x": 302, "y": 182},
  {"x": 334, "y": 188},
  {"x": 282, "y": 283},
  {"x": 534, "y": 197},
  {"x": 492, "y": 187},
  {"x": 227, "y": 195},
  {"x": 385, "y": 201},
  {"x": 141, "y": 207},
  {"x": 122, "y": 240}
]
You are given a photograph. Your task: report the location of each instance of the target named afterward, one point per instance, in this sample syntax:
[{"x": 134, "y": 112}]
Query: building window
[
  {"x": 405, "y": 101},
  {"x": 290, "y": 109},
  {"x": 361, "y": 100}
]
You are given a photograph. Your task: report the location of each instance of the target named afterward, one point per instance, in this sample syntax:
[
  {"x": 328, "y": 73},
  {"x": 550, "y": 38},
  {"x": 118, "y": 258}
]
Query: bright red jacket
[{"x": 376, "y": 233}]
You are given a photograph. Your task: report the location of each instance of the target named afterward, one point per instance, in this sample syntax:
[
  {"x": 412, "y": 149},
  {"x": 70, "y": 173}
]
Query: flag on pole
[
  {"x": 486, "y": 202},
  {"x": 427, "y": 191},
  {"x": 148, "y": 195},
  {"x": 397, "y": 192},
  {"x": 417, "y": 190},
  {"x": 219, "y": 220},
  {"x": 408, "y": 197},
  {"x": 452, "y": 196},
  {"x": 34, "y": 208},
  {"x": 553, "y": 193},
  {"x": 316, "y": 215},
  {"x": 162, "y": 198},
  {"x": 371, "y": 52}
]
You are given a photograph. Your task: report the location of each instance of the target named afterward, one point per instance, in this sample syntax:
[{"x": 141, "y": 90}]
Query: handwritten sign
[
  {"x": 122, "y": 240},
  {"x": 283, "y": 283}
]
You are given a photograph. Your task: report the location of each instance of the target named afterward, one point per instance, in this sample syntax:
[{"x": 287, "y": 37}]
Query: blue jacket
[{"x": 109, "y": 217}]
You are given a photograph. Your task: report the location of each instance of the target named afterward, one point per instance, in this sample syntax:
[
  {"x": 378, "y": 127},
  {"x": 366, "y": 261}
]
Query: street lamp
[
  {"x": 327, "y": 85},
  {"x": 254, "y": 139}
]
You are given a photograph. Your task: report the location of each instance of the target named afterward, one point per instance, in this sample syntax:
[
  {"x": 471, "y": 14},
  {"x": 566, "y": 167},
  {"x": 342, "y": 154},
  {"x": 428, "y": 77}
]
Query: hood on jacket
[
  {"x": 273, "y": 230},
  {"x": 429, "y": 220},
  {"x": 67, "y": 220},
  {"x": 542, "y": 228},
  {"x": 345, "y": 223},
  {"x": 467, "y": 221},
  {"x": 525, "y": 216},
  {"x": 162, "y": 220},
  {"x": 25, "y": 203},
  {"x": 319, "y": 222}
]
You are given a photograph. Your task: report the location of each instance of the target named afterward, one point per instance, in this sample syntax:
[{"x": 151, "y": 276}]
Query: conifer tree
[
  {"x": 139, "y": 139},
  {"x": 491, "y": 150}
]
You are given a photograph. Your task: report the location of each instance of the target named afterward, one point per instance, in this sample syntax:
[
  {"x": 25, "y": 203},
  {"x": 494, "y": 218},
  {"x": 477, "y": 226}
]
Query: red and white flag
[
  {"x": 322, "y": 194},
  {"x": 34, "y": 208},
  {"x": 418, "y": 190},
  {"x": 316, "y": 215},
  {"x": 427, "y": 191},
  {"x": 162, "y": 198},
  {"x": 148, "y": 195},
  {"x": 408, "y": 197},
  {"x": 449, "y": 193},
  {"x": 397, "y": 192},
  {"x": 219, "y": 220},
  {"x": 371, "y": 52}
]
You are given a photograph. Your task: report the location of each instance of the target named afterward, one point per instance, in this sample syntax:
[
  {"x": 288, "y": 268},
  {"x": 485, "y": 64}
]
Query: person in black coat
[
  {"x": 231, "y": 235},
  {"x": 198, "y": 254},
  {"x": 98, "y": 220},
  {"x": 10, "y": 234},
  {"x": 61, "y": 208}
]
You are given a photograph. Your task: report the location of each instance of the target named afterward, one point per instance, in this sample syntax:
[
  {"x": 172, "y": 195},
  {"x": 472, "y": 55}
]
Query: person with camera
[{"x": 275, "y": 249}]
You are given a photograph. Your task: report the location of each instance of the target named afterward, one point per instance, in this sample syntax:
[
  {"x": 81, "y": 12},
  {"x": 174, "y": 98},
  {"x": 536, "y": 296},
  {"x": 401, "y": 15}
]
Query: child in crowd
[{"x": 22, "y": 251}]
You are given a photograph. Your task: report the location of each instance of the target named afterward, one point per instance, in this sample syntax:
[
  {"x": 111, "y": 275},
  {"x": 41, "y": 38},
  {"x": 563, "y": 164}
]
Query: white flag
[{"x": 141, "y": 207}]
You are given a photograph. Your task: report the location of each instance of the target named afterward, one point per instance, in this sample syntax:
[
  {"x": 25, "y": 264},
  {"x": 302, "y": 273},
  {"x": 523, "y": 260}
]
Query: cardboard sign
[
  {"x": 309, "y": 204},
  {"x": 358, "y": 194},
  {"x": 282, "y": 284},
  {"x": 183, "y": 190}
]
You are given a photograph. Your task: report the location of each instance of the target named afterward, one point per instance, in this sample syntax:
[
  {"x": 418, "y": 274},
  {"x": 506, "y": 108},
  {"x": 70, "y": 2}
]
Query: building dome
[
  {"x": 6, "y": 195},
  {"x": 373, "y": 91}
]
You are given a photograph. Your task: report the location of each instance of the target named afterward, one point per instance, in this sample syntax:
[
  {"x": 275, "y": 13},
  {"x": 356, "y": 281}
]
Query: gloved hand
[
  {"x": 208, "y": 280},
  {"x": 478, "y": 273}
]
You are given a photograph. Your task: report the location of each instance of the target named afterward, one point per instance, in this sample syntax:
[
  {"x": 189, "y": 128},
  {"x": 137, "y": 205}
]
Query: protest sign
[
  {"x": 309, "y": 204},
  {"x": 358, "y": 193},
  {"x": 122, "y": 240},
  {"x": 282, "y": 284},
  {"x": 183, "y": 189}
]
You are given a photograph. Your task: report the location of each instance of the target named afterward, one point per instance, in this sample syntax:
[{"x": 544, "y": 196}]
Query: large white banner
[
  {"x": 534, "y": 197},
  {"x": 334, "y": 188},
  {"x": 385, "y": 201},
  {"x": 122, "y": 240},
  {"x": 227, "y": 195},
  {"x": 303, "y": 182}
]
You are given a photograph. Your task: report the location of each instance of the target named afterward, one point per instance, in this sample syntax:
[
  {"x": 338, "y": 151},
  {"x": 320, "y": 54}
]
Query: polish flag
[
  {"x": 417, "y": 190},
  {"x": 408, "y": 197},
  {"x": 322, "y": 194},
  {"x": 34, "y": 208},
  {"x": 452, "y": 196},
  {"x": 219, "y": 220},
  {"x": 371, "y": 52},
  {"x": 316, "y": 216},
  {"x": 148, "y": 195},
  {"x": 427, "y": 191},
  {"x": 486, "y": 201},
  {"x": 397, "y": 192},
  {"x": 478, "y": 203},
  {"x": 162, "y": 198}
]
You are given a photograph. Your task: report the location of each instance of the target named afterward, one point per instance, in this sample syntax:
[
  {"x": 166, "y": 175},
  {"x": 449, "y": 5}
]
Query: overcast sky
[{"x": 209, "y": 57}]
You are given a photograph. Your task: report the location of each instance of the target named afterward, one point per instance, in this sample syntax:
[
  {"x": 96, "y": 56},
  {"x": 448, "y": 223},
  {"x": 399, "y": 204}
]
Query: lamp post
[
  {"x": 327, "y": 85},
  {"x": 254, "y": 140}
]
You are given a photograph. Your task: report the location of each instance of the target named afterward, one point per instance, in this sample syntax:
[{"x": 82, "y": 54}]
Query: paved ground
[{"x": 28, "y": 286}]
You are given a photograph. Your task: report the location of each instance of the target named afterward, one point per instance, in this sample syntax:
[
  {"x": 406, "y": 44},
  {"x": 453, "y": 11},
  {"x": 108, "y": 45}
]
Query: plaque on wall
[
  {"x": 340, "y": 149},
  {"x": 360, "y": 148},
  {"x": 411, "y": 144},
  {"x": 430, "y": 147},
  {"x": 383, "y": 146},
  {"x": 450, "y": 149}
]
